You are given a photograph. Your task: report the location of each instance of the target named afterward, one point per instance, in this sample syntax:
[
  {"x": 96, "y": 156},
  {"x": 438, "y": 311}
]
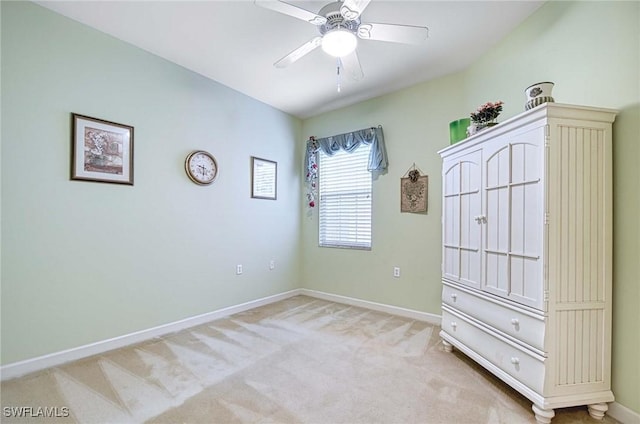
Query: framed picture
[
  {"x": 264, "y": 178},
  {"x": 414, "y": 193},
  {"x": 101, "y": 151}
]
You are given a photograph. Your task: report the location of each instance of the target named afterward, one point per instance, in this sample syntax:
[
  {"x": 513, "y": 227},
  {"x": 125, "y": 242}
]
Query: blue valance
[{"x": 348, "y": 142}]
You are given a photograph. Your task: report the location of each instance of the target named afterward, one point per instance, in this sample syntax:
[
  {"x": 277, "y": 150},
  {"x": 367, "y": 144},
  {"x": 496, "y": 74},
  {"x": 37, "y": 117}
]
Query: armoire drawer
[
  {"x": 521, "y": 364},
  {"x": 518, "y": 324}
]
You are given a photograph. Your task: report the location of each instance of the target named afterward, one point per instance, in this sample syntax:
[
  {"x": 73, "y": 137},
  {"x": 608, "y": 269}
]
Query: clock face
[{"x": 201, "y": 167}]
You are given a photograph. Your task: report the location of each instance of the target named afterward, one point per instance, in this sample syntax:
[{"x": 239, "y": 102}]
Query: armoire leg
[
  {"x": 448, "y": 347},
  {"x": 597, "y": 410},
  {"x": 543, "y": 416}
]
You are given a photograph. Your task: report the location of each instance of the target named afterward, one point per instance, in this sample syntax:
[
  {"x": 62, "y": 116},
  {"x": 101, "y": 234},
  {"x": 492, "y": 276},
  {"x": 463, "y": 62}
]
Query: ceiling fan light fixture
[{"x": 339, "y": 42}]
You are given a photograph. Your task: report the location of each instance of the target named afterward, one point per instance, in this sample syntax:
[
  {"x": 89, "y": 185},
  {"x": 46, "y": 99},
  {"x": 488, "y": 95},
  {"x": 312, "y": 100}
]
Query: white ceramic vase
[{"x": 538, "y": 94}]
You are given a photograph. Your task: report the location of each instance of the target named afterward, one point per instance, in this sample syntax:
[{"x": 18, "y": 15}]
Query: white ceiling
[{"x": 237, "y": 42}]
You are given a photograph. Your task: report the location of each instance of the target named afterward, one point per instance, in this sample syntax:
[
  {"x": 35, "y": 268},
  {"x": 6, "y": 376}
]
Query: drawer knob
[
  {"x": 454, "y": 296},
  {"x": 514, "y": 321},
  {"x": 515, "y": 360},
  {"x": 454, "y": 324}
]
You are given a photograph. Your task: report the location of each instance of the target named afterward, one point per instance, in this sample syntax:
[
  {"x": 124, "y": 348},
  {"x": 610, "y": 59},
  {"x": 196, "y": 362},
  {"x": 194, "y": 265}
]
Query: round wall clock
[{"x": 201, "y": 167}]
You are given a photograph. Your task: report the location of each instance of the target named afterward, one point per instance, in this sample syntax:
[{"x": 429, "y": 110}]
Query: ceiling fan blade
[
  {"x": 351, "y": 66},
  {"x": 407, "y": 34},
  {"x": 291, "y": 10},
  {"x": 352, "y": 9},
  {"x": 304, "y": 49}
]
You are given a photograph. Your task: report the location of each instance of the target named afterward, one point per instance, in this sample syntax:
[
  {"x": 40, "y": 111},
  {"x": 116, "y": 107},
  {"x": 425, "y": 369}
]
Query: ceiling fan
[{"x": 340, "y": 27}]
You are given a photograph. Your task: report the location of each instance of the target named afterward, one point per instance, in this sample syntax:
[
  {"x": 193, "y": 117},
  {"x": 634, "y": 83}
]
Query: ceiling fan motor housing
[{"x": 336, "y": 20}]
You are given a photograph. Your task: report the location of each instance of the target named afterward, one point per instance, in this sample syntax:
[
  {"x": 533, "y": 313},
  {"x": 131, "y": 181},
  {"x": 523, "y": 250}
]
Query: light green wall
[
  {"x": 591, "y": 50},
  {"x": 84, "y": 262}
]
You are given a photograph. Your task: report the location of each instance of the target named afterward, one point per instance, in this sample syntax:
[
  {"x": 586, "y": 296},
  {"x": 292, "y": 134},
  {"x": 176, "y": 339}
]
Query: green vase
[{"x": 458, "y": 130}]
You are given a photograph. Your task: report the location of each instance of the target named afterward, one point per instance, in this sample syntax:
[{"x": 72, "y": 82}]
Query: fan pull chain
[{"x": 338, "y": 76}]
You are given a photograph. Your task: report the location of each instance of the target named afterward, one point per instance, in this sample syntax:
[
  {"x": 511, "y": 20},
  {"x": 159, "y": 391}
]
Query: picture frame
[
  {"x": 414, "y": 193},
  {"x": 264, "y": 178},
  {"x": 101, "y": 151}
]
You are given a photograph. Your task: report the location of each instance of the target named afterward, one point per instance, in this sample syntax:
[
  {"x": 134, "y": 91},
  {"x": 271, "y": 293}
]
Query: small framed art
[
  {"x": 414, "y": 193},
  {"x": 264, "y": 178},
  {"x": 101, "y": 151}
]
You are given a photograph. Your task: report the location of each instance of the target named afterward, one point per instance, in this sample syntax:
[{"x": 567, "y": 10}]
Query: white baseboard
[
  {"x": 381, "y": 307},
  {"x": 623, "y": 414},
  {"x": 39, "y": 363}
]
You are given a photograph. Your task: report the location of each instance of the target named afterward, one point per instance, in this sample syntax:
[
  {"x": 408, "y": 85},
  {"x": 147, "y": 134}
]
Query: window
[{"x": 345, "y": 199}]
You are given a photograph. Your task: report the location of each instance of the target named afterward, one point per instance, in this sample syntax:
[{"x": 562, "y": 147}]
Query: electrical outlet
[
  {"x": 396, "y": 271},
  {"x": 272, "y": 264},
  {"x": 238, "y": 269}
]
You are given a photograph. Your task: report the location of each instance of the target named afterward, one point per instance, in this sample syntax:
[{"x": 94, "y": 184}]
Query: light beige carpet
[{"x": 301, "y": 360}]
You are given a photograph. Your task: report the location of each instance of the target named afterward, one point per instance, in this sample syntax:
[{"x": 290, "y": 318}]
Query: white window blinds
[{"x": 345, "y": 199}]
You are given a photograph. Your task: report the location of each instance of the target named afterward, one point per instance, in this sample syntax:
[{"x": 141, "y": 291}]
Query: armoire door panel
[
  {"x": 525, "y": 159},
  {"x": 526, "y": 216},
  {"x": 497, "y": 225},
  {"x": 451, "y": 178},
  {"x": 514, "y": 212},
  {"x": 497, "y": 168},
  {"x": 495, "y": 277},
  {"x": 451, "y": 218},
  {"x": 451, "y": 259},
  {"x": 462, "y": 232},
  {"x": 525, "y": 280}
]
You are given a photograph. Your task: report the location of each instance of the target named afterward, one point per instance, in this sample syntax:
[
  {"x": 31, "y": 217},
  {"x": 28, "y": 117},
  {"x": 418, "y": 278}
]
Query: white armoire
[{"x": 526, "y": 269}]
